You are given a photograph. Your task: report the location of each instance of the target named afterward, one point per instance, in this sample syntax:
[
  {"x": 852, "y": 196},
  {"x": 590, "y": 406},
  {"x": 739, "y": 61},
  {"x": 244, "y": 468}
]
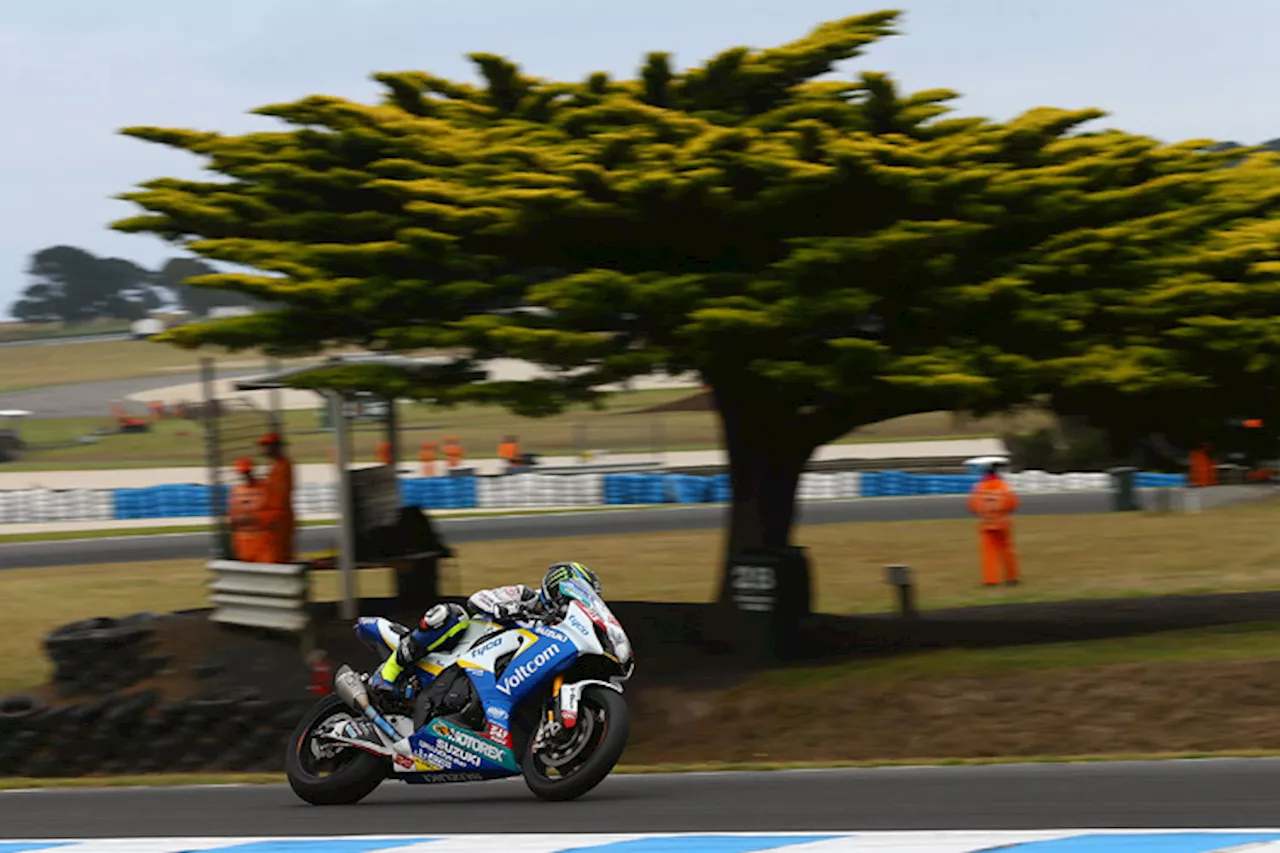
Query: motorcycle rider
[{"x": 444, "y": 624}]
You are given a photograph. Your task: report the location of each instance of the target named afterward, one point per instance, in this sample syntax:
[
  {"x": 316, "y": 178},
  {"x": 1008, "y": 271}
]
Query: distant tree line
[
  {"x": 70, "y": 285},
  {"x": 1271, "y": 145}
]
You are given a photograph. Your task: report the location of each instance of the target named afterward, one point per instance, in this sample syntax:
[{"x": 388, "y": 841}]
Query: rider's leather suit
[{"x": 444, "y": 624}]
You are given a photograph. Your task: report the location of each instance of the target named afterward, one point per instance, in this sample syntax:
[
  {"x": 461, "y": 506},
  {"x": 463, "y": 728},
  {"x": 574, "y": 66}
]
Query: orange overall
[
  {"x": 249, "y": 542},
  {"x": 509, "y": 452},
  {"x": 383, "y": 452},
  {"x": 993, "y": 502},
  {"x": 277, "y": 511},
  {"x": 1203, "y": 471},
  {"x": 453, "y": 452},
  {"x": 428, "y": 458}
]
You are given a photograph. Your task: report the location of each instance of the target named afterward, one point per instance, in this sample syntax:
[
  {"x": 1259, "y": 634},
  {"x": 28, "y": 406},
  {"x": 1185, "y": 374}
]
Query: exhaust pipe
[{"x": 351, "y": 690}]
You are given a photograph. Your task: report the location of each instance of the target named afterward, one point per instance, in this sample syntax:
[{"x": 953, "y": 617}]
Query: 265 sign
[{"x": 754, "y": 587}]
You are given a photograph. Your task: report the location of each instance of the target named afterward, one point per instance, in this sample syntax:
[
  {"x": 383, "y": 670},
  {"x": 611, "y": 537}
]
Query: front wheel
[
  {"x": 578, "y": 759},
  {"x": 330, "y": 774}
]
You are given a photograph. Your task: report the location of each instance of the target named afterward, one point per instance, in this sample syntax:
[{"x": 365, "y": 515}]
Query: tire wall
[{"x": 105, "y": 722}]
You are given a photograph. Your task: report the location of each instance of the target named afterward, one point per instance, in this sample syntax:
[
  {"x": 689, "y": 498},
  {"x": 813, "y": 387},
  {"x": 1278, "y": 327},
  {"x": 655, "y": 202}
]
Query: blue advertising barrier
[
  {"x": 193, "y": 501},
  {"x": 440, "y": 492}
]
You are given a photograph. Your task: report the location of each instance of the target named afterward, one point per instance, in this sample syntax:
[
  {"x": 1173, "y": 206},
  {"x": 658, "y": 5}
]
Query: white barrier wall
[
  {"x": 39, "y": 505},
  {"x": 514, "y": 491},
  {"x": 1042, "y": 481},
  {"x": 315, "y": 498},
  {"x": 816, "y": 486},
  {"x": 534, "y": 490}
]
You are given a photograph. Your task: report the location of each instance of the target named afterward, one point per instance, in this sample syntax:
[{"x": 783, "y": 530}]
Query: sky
[{"x": 72, "y": 72}]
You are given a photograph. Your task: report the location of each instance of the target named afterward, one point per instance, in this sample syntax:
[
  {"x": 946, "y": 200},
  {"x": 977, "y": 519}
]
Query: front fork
[
  {"x": 550, "y": 727},
  {"x": 562, "y": 708}
]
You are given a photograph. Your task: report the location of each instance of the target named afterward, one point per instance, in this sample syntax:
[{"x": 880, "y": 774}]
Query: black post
[
  {"x": 899, "y": 577},
  {"x": 1125, "y": 499},
  {"x": 771, "y": 596},
  {"x": 393, "y": 430}
]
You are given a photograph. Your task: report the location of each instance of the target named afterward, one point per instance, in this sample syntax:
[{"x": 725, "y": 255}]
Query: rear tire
[
  {"x": 602, "y": 752},
  {"x": 352, "y": 773}
]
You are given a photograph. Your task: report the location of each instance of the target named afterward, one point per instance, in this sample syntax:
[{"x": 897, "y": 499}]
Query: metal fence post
[
  {"x": 346, "y": 510},
  {"x": 274, "y": 397},
  {"x": 213, "y": 459}
]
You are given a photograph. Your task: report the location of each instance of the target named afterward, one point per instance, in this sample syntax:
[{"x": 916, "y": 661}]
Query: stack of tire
[
  {"x": 99, "y": 656},
  {"x": 137, "y": 733},
  {"x": 113, "y": 730}
]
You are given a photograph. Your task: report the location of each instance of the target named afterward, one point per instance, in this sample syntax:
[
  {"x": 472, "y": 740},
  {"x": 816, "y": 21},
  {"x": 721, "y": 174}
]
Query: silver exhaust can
[{"x": 350, "y": 689}]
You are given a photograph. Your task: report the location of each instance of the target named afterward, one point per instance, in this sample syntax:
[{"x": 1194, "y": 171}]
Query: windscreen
[{"x": 583, "y": 592}]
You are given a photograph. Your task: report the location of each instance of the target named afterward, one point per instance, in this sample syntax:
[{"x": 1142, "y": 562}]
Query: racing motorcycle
[{"x": 541, "y": 698}]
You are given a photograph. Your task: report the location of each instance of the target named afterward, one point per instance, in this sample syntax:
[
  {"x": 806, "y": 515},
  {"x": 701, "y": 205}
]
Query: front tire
[
  {"x": 589, "y": 754},
  {"x": 325, "y": 776}
]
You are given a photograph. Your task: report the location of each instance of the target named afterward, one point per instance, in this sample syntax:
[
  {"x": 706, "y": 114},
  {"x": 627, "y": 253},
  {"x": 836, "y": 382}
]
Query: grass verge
[
  {"x": 14, "y": 332},
  {"x": 76, "y": 363},
  {"x": 1175, "y": 694},
  {"x": 115, "y": 533},
  {"x": 1064, "y": 557},
  {"x": 621, "y": 426}
]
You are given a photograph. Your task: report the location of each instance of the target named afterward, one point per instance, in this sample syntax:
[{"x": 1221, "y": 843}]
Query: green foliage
[
  {"x": 198, "y": 300},
  {"x": 75, "y": 286},
  {"x": 1059, "y": 451},
  {"x": 824, "y": 252},
  {"x": 1196, "y": 343}
]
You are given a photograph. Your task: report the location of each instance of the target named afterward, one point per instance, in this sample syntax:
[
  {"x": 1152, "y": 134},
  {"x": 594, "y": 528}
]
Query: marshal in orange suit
[
  {"x": 277, "y": 510},
  {"x": 249, "y": 542},
  {"x": 993, "y": 502}
]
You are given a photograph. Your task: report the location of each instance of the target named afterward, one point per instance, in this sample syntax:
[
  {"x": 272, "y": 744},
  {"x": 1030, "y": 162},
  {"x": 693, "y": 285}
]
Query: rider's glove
[
  {"x": 408, "y": 652},
  {"x": 508, "y": 610}
]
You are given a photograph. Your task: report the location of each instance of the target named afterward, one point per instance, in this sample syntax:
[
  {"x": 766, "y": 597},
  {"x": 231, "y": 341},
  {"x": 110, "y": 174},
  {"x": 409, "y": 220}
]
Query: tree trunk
[{"x": 766, "y": 458}]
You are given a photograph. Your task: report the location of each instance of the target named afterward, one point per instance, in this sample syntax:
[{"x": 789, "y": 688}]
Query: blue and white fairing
[{"x": 537, "y": 653}]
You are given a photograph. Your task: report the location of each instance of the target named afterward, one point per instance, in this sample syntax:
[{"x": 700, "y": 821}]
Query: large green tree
[
  {"x": 825, "y": 253},
  {"x": 71, "y": 285},
  {"x": 1184, "y": 342},
  {"x": 173, "y": 276}
]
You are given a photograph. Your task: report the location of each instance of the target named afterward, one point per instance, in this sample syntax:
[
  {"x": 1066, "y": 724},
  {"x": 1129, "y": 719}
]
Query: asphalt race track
[
  {"x": 1235, "y": 793},
  {"x": 175, "y": 546}
]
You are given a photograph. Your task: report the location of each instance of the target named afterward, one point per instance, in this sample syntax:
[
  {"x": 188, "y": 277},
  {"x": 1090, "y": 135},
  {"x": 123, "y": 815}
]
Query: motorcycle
[{"x": 542, "y": 699}]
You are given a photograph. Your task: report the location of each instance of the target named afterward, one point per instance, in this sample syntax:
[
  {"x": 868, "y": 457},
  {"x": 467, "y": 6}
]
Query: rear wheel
[
  {"x": 327, "y": 774},
  {"x": 574, "y": 761}
]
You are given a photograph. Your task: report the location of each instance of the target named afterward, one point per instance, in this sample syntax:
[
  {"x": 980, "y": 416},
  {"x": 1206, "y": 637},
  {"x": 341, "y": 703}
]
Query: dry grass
[
  {"x": 65, "y": 364},
  {"x": 950, "y": 425},
  {"x": 1202, "y": 691},
  {"x": 35, "y": 601},
  {"x": 480, "y": 428},
  {"x": 38, "y": 331},
  {"x": 616, "y": 428},
  {"x": 1065, "y": 558}
]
